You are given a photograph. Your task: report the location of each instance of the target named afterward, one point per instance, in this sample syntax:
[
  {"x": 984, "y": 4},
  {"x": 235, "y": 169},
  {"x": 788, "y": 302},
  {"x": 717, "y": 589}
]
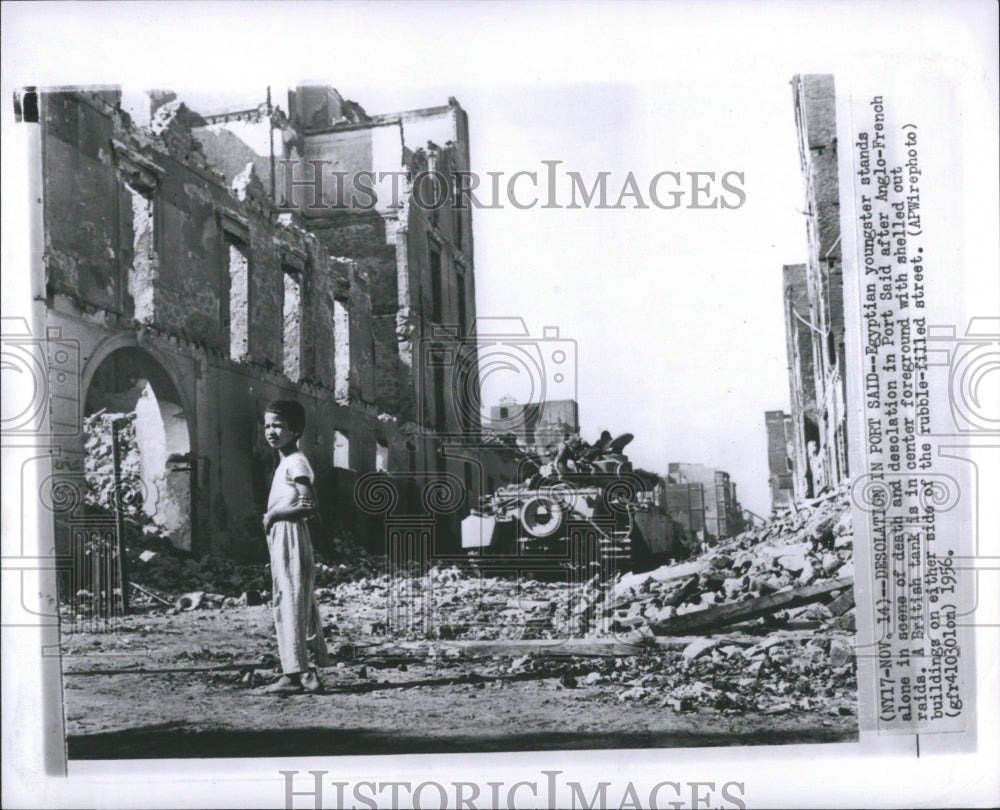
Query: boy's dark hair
[{"x": 289, "y": 410}]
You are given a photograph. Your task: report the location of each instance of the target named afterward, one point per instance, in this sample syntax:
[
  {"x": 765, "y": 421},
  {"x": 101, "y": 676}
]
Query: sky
[{"x": 675, "y": 315}]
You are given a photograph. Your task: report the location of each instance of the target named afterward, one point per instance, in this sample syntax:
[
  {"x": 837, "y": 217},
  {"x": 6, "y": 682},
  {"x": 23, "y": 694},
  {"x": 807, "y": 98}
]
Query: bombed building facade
[
  {"x": 196, "y": 281},
  {"x": 814, "y": 304}
]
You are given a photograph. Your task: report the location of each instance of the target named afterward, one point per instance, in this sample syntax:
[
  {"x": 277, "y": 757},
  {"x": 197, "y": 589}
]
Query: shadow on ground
[{"x": 180, "y": 741}]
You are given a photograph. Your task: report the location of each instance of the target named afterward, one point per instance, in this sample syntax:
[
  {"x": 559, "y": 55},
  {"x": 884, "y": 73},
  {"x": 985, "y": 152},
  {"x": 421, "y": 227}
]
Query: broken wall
[
  {"x": 95, "y": 163},
  {"x": 814, "y": 98},
  {"x": 413, "y": 250}
]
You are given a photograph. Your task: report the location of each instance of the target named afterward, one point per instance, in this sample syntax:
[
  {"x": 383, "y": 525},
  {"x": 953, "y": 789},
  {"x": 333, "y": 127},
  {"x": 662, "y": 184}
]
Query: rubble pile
[
  {"x": 803, "y": 550},
  {"x": 810, "y": 547},
  {"x": 99, "y": 469},
  {"x": 160, "y": 570},
  {"x": 170, "y": 574},
  {"x": 781, "y": 660},
  {"x": 448, "y": 603},
  {"x": 774, "y": 675},
  {"x": 774, "y": 610}
]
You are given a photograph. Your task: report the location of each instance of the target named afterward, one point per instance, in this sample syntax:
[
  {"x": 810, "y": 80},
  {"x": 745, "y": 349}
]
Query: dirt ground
[{"x": 189, "y": 686}]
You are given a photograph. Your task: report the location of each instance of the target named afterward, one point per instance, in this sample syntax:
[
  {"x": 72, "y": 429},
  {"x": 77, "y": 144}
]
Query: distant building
[
  {"x": 780, "y": 450},
  {"x": 814, "y": 302},
  {"x": 686, "y": 506},
  {"x": 720, "y": 513},
  {"x": 536, "y": 426}
]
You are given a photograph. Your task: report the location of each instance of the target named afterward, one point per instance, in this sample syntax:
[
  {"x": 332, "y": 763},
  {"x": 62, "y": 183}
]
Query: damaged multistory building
[
  {"x": 703, "y": 500},
  {"x": 814, "y": 302},
  {"x": 194, "y": 277}
]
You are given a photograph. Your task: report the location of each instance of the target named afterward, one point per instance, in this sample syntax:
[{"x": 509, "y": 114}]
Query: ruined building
[
  {"x": 200, "y": 266},
  {"x": 703, "y": 500},
  {"x": 537, "y": 426},
  {"x": 814, "y": 302}
]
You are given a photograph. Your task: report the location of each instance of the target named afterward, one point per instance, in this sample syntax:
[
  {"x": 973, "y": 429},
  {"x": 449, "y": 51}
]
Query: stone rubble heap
[
  {"x": 786, "y": 660},
  {"x": 781, "y": 659},
  {"x": 99, "y": 469},
  {"x": 791, "y": 552},
  {"x": 161, "y": 571},
  {"x": 806, "y": 548},
  {"x": 775, "y": 674},
  {"x": 810, "y": 547}
]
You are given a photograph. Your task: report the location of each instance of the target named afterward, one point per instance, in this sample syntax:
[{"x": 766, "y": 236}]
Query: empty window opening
[
  {"x": 440, "y": 418},
  {"x": 341, "y": 350},
  {"x": 381, "y": 456},
  {"x": 456, "y": 207},
  {"x": 235, "y": 301},
  {"x": 341, "y": 450},
  {"x": 142, "y": 274},
  {"x": 293, "y": 325}
]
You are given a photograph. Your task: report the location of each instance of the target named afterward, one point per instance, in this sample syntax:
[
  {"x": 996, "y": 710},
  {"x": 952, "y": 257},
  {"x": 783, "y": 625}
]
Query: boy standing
[{"x": 301, "y": 646}]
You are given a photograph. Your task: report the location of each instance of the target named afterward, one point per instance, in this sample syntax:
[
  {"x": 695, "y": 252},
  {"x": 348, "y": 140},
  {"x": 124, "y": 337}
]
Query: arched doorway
[{"x": 133, "y": 397}]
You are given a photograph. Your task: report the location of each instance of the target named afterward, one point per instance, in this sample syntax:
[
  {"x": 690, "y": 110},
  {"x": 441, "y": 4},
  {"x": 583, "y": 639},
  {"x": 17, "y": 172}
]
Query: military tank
[{"x": 586, "y": 516}]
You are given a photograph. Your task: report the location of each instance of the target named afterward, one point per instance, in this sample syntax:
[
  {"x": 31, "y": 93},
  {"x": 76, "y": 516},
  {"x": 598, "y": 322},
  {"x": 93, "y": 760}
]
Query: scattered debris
[
  {"x": 568, "y": 680},
  {"x": 156, "y": 597},
  {"x": 760, "y": 622},
  {"x": 189, "y": 601},
  {"x": 698, "y": 648}
]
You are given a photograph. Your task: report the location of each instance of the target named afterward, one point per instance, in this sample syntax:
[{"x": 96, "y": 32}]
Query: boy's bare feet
[
  {"x": 285, "y": 685},
  {"x": 311, "y": 682}
]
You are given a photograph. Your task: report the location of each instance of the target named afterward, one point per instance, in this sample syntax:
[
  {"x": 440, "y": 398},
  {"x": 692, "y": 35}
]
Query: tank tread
[{"x": 613, "y": 555}]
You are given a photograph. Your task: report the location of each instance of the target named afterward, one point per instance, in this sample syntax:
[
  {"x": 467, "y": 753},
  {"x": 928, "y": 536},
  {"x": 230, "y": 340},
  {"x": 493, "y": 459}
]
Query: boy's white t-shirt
[{"x": 294, "y": 465}]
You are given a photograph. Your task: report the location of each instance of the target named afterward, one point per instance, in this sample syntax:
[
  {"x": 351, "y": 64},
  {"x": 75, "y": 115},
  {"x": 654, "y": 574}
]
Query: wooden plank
[
  {"x": 683, "y": 592},
  {"x": 416, "y": 653},
  {"x": 150, "y": 594},
  {"x": 514, "y": 647},
  {"x": 623, "y": 645},
  {"x": 719, "y": 616},
  {"x": 843, "y": 603}
]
